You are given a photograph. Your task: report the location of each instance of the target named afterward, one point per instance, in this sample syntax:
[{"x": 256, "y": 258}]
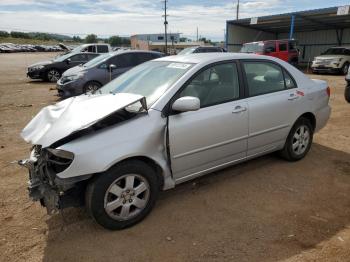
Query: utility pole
[
  {"x": 237, "y": 14},
  {"x": 166, "y": 25},
  {"x": 197, "y": 34}
]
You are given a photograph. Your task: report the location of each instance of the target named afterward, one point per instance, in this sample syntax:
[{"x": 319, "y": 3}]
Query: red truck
[{"x": 283, "y": 49}]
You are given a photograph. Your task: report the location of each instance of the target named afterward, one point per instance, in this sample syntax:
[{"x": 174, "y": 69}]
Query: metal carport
[{"x": 315, "y": 30}]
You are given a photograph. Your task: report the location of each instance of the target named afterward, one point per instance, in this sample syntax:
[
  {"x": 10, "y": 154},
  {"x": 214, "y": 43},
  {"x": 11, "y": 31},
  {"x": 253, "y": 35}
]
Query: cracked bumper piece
[{"x": 43, "y": 184}]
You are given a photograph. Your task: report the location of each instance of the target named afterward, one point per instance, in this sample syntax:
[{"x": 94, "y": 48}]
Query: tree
[
  {"x": 4, "y": 34},
  {"x": 203, "y": 39},
  {"x": 92, "y": 38},
  {"x": 77, "y": 39},
  {"x": 118, "y": 41}
]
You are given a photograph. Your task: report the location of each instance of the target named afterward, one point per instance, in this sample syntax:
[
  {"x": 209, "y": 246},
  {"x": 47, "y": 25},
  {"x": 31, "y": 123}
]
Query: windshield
[
  {"x": 151, "y": 79},
  {"x": 335, "y": 51},
  {"x": 187, "y": 51},
  {"x": 252, "y": 48},
  {"x": 97, "y": 60}
]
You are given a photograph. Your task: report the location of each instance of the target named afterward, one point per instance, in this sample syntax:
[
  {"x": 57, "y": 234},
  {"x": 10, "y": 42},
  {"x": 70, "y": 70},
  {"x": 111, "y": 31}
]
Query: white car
[
  {"x": 334, "y": 60},
  {"x": 165, "y": 122}
]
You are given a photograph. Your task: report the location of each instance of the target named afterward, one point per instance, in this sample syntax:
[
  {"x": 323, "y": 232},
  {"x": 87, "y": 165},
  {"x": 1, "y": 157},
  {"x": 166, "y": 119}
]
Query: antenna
[{"x": 165, "y": 25}]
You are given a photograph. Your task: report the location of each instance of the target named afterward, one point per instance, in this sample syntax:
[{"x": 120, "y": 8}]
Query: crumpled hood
[
  {"x": 58, "y": 121},
  {"x": 43, "y": 63}
]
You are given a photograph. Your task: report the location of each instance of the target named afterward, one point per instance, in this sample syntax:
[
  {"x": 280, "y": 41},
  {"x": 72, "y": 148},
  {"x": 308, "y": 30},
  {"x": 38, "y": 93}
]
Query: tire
[
  {"x": 91, "y": 86},
  {"x": 292, "y": 153},
  {"x": 347, "y": 93},
  {"x": 52, "y": 75},
  {"x": 111, "y": 189},
  {"x": 344, "y": 70}
]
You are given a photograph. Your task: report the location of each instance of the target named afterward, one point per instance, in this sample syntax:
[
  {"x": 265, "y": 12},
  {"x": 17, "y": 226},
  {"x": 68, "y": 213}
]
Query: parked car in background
[
  {"x": 165, "y": 122},
  {"x": 99, "y": 71},
  {"x": 347, "y": 88},
  {"x": 334, "y": 60},
  {"x": 284, "y": 49},
  {"x": 92, "y": 48},
  {"x": 52, "y": 70},
  {"x": 202, "y": 49}
]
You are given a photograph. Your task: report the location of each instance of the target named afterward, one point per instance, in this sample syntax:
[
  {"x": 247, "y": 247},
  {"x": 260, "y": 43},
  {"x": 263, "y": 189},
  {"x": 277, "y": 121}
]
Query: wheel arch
[
  {"x": 311, "y": 117},
  {"x": 150, "y": 162}
]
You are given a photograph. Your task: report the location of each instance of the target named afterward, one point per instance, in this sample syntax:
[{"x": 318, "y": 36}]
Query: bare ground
[{"x": 263, "y": 210}]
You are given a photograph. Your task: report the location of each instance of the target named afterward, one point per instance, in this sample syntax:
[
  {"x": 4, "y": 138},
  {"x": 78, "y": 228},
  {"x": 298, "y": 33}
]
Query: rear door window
[
  {"x": 102, "y": 49},
  {"x": 126, "y": 60},
  {"x": 79, "y": 58},
  {"x": 91, "y": 49},
  {"x": 143, "y": 57},
  {"x": 263, "y": 78}
]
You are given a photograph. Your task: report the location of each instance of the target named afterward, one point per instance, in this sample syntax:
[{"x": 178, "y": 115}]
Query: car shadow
[{"x": 266, "y": 209}]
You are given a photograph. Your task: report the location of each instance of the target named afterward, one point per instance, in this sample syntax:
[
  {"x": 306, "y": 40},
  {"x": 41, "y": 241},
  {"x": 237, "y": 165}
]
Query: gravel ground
[{"x": 263, "y": 210}]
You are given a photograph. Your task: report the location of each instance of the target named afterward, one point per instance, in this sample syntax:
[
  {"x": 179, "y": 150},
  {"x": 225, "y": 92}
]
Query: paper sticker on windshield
[{"x": 179, "y": 66}]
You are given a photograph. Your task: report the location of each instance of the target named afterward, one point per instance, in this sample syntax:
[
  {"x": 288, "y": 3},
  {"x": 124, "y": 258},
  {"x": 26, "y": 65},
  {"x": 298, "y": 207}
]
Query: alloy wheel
[
  {"x": 53, "y": 75},
  {"x": 301, "y": 140},
  {"x": 126, "y": 197},
  {"x": 345, "y": 69}
]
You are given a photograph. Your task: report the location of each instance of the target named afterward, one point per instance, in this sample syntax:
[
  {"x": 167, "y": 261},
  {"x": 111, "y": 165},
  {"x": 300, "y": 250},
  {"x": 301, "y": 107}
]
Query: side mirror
[
  {"x": 68, "y": 61},
  {"x": 186, "y": 103},
  {"x": 112, "y": 67}
]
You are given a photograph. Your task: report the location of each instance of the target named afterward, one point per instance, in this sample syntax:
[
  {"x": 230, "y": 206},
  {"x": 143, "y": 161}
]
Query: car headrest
[{"x": 273, "y": 76}]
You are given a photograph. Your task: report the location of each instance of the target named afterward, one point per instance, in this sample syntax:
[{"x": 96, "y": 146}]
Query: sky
[{"x": 128, "y": 17}]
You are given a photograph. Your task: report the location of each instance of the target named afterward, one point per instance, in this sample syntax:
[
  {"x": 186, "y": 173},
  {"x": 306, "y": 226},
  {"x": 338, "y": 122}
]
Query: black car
[
  {"x": 52, "y": 70},
  {"x": 202, "y": 49}
]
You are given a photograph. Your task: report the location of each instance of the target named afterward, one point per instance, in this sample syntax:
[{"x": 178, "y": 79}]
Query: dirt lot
[{"x": 263, "y": 210}]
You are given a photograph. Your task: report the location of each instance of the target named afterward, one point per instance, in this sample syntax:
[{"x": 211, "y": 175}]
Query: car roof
[
  {"x": 118, "y": 52},
  {"x": 212, "y": 57}
]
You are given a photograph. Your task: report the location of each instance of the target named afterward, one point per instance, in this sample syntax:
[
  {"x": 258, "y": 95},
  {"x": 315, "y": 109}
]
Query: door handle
[
  {"x": 239, "y": 109},
  {"x": 293, "y": 97}
]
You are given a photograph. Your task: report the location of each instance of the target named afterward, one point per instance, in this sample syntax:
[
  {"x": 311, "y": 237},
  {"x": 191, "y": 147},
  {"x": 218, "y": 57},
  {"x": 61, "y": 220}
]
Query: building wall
[
  {"x": 314, "y": 43},
  {"x": 238, "y": 35},
  {"x": 311, "y": 44},
  {"x": 158, "y": 37}
]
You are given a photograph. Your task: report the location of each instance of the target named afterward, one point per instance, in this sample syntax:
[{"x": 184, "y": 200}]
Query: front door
[
  {"x": 214, "y": 135},
  {"x": 283, "y": 53}
]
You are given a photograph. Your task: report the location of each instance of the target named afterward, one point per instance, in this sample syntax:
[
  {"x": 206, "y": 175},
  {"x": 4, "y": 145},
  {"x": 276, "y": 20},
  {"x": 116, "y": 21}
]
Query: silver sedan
[{"x": 165, "y": 122}]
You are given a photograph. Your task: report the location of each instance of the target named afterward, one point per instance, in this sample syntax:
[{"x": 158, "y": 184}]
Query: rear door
[
  {"x": 283, "y": 50},
  {"x": 216, "y": 134},
  {"x": 273, "y": 103}
]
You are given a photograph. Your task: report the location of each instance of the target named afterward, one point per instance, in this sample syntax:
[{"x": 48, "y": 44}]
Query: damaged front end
[{"x": 43, "y": 185}]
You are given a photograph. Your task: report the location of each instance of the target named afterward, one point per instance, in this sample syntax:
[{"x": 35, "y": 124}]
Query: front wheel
[
  {"x": 122, "y": 196},
  {"x": 299, "y": 140},
  {"x": 347, "y": 93}
]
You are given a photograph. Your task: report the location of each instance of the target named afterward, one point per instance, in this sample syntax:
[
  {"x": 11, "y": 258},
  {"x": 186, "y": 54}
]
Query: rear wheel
[
  {"x": 122, "y": 196},
  {"x": 53, "y": 75},
  {"x": 91, "y": 86},
  {"x": 347, "y": 93},
  {"x": 299, "y": 140}
]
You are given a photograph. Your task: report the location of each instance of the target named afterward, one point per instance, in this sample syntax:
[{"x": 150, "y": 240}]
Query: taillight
[{"x": 328, "y": 91}]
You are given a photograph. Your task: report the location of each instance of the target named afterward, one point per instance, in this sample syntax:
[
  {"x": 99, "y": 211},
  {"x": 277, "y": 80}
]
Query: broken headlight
[{"x": 59, "y": 160}]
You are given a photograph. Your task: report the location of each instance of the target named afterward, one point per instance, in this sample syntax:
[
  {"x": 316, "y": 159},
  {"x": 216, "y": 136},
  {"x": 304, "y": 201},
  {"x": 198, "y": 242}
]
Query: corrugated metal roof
[{"x": 310, "y": 20}]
